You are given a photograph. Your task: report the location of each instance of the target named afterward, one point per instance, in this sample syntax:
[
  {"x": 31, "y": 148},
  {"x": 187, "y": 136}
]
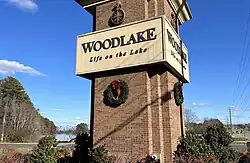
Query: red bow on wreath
[
  {"x": 116, "y": 85},
  {"x": 180, "y": 90}
]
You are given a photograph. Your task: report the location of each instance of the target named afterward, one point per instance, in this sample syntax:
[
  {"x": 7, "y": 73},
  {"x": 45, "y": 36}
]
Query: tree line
[
  {"x": 78, "y": 129},
  {"x": 191, "y": 121},
  {"x": 20, "y": 121}
]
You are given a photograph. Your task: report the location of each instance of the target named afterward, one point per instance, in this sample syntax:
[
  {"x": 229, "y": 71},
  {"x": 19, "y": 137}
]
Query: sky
[{"x": 38, "y": 42}]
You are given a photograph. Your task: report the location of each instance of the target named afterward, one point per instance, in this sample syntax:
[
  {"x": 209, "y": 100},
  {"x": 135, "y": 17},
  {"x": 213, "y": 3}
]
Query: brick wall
[
  {"x": 134, "y": 10},
  {"x": 123, "y": 129},
  {"x": 149, "y": 121}
]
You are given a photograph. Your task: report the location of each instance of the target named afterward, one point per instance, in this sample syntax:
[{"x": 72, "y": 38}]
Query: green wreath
[
  {"x": 178, "y": 94},
  {"x": 116, "y": 93}
]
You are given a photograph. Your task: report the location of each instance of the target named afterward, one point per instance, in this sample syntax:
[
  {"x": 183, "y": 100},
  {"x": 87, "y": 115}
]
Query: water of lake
[{"x": 64, "y": 137}]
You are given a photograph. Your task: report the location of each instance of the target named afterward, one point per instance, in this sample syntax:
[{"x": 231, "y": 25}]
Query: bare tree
[
  {"x": 190, "y": 117},
  {"x": 21, "y": 120},
  {"x": 11, "y": 92},
  {"x": 18, "y": 117}
]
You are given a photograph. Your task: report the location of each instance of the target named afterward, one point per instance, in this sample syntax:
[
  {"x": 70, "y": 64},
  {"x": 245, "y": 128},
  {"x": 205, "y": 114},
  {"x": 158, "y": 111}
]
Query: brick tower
[{"x": 136, "y": 41}]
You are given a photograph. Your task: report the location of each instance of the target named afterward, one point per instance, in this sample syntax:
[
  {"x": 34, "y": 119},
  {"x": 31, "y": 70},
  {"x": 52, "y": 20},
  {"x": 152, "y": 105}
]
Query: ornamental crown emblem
[{"x": 117, "y": 16}]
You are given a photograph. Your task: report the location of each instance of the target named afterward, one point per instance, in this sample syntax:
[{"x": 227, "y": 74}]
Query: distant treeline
[
  {"x": 80, "y": 128},
  {"x": 23, "y": 122}
]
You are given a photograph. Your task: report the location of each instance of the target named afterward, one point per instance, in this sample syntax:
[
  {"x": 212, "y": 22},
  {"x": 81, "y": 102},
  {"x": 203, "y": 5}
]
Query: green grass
[{"x": 240, "y": 139}]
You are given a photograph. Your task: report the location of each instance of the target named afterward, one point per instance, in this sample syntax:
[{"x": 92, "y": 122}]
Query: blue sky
[{"x": 37, "y": 46}]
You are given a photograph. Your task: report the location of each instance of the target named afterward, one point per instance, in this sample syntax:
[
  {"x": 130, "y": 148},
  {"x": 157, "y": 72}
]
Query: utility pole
[
  {"x": 230, "y": 119},
  {"x": 227, "y": 122}
]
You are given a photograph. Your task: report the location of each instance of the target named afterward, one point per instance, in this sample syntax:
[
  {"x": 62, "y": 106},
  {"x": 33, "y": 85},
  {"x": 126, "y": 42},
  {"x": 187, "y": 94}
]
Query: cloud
[
  {"x": 26, "y": 5},
  {"x": 12, "y": 67},
  {"x": 57, "y": 109},
  {"x": 199, "y": 105},
  {"x": 77, "y": 118}
]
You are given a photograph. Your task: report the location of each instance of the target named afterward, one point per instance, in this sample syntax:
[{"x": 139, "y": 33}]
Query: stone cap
[
  {"x": 182, "y": 9},
  {"x": 86, "y": 4}
]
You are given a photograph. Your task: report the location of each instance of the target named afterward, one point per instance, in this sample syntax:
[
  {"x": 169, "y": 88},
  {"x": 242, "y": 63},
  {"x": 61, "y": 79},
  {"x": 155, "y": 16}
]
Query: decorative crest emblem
[
  {"x": 117, "y": 16},
  {"x": 174, "y": 21}
]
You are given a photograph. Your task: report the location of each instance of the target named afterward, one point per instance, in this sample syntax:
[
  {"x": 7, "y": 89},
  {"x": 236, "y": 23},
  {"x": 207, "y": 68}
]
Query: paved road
[{"x": 29, "y": 145}]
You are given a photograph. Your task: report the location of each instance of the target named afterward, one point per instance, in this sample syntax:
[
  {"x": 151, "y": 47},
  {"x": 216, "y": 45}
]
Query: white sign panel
[
  {"x": 174, "y": 49},
  {"x": 126, "y": 46},
  {"x": 140, "y": 43}
]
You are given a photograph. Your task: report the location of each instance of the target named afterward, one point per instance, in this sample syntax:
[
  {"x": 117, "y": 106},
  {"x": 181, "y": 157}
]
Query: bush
[
  {"x": 194, "y": 146},
  {"x": 226, "y": 155},
  {"x": 217, "y": 135},
  {"x": 63, "y": 152},
  {"x": 194, "y": 159},
  {"x": 212, "y": 146},
  {"x": 84, "y": 154},
  {"x": 100, "y": 155},
  {"x": 11, "y": 156},
  {"x": 14, "y": 138},
  {"x": 219, "y": 139},
  {"x": 80, "y": 154},
  {"x": 45, "y": 151},
  {"x": 244, "y": 159}
]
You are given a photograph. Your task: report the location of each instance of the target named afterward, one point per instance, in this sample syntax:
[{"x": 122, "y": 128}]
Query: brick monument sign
[{"x": 137, "y": 64}]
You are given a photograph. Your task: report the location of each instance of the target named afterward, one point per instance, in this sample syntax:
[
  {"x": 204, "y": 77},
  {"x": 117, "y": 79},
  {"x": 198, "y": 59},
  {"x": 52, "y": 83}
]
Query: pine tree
[{"x": 45, "y": 152}]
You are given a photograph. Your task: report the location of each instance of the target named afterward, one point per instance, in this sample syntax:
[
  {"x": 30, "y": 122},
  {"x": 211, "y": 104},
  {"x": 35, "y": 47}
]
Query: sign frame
[{"x": 169, "y": 56}]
